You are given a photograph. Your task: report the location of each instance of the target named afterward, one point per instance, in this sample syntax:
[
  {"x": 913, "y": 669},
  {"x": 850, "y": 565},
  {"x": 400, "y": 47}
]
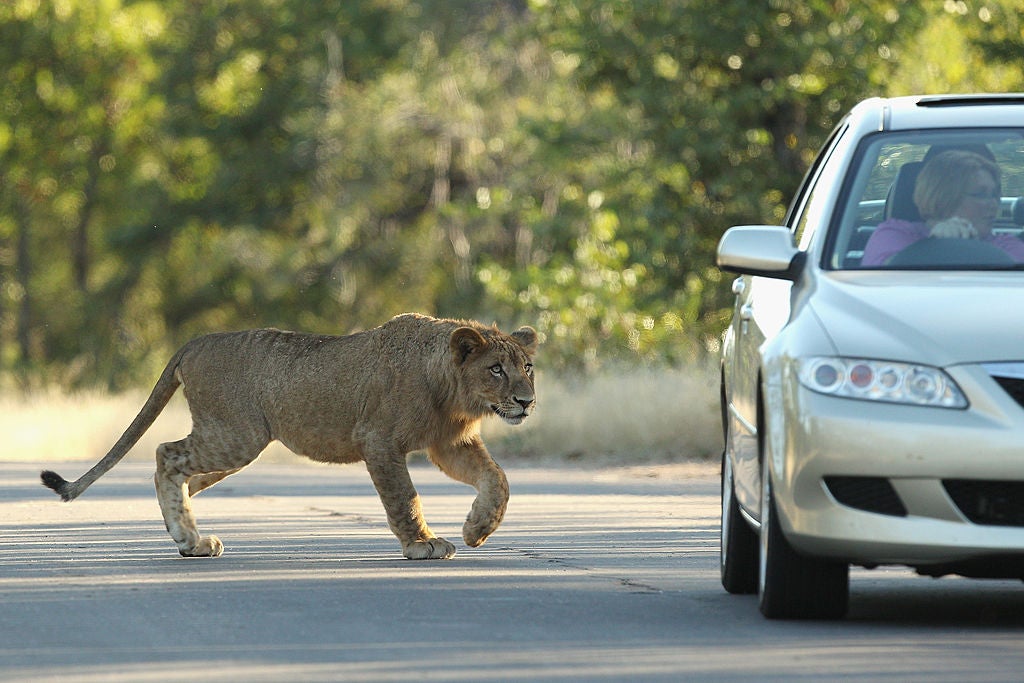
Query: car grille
[
  {"x": 1013, "y": 386},
  {"x": 871, "y": 494},
  {"x": 995, "y": 503}
]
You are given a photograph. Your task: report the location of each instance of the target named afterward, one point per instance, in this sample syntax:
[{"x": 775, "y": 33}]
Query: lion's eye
[
  {"x": 529, "y": 368},
  {"x": 496, "y": 370}
]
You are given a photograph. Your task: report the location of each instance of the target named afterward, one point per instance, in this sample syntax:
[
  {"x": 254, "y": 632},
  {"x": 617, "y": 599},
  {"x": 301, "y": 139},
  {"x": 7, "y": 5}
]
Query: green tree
[
  {"x": 172, "y": 168},
  {"x": 150, "y": 162},
  {"x": 277, "y": 209},
  {"x": 965, "y": 47},
  {"x": 74, "y": 78},
  {"x": 722, "y": 106}
]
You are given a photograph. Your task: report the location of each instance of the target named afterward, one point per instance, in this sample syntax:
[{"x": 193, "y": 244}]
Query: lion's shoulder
[{"x": 420, "y": 335}]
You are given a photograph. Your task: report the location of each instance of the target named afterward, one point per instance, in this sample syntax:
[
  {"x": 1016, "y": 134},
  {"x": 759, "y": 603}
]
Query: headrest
[
  {"x": 900, "y": 201},
  {"x": 1018, "y": 211}
]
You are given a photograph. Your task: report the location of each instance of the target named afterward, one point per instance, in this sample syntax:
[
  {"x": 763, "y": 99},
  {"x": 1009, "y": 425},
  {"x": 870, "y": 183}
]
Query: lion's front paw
[
  {"x": 431, "y": 549},
  {"x": 476, "y": 530},
  {"x": 208, "y": 546},
  {"x": 474, "y": 534}
]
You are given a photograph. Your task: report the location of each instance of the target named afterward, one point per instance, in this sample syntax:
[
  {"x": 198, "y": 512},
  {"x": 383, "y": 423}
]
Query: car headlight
[{"x": 876, "y": 380}]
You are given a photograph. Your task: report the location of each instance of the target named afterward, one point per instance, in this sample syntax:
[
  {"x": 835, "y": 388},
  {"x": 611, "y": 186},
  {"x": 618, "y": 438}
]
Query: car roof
[{"x": 938, "y": 111}]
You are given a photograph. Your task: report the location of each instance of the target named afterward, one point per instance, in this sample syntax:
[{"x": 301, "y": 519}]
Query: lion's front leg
[
  {"x": 471, "y": 464},
  {"x": 405, "y": 516}
]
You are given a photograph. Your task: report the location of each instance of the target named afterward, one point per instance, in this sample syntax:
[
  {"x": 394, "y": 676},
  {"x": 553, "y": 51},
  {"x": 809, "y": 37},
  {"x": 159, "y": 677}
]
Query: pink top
[{"x": 894, "y": 235}]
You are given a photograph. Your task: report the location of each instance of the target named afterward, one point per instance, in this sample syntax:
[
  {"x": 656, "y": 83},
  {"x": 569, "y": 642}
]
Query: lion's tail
[{"x": 158, "y": 398}]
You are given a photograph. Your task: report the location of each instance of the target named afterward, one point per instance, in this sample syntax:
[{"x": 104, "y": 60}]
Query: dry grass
[
  {"x": 50, "y": 426},
  {"x": 639, "y": 416}
]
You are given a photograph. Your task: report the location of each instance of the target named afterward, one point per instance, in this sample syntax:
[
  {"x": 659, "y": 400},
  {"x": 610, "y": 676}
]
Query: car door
[{"x": 761, "y": 309}]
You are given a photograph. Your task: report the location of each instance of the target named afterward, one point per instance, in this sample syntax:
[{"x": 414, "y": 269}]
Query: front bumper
[{"x": 931, "y": 488}]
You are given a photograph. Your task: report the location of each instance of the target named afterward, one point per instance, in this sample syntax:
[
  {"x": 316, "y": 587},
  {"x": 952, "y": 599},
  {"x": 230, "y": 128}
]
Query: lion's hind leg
[
  {"x": 183, "y": 469},
  {"x": 172, "y": 491},
  {"x": 201, "y": 482}
]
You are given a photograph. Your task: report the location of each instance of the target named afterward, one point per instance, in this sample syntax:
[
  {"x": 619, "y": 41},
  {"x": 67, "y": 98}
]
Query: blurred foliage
[{"x": 176, "y": 167}]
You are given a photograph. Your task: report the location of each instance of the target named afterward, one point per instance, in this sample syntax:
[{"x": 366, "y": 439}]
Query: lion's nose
[{"x": 526, "y": 403}]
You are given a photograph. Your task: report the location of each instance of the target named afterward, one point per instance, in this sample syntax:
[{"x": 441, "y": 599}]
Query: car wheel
[
  {"x": 738, "y": 550},
  {"x": 790, "y": 585}
]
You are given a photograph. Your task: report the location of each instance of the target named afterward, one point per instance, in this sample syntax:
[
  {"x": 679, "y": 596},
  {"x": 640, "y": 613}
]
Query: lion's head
[{"x": 497, "y": 369}]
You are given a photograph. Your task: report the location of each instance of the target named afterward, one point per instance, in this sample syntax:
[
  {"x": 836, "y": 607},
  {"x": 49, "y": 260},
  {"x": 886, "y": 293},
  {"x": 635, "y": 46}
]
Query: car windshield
[{"x": 933, "y": 200}]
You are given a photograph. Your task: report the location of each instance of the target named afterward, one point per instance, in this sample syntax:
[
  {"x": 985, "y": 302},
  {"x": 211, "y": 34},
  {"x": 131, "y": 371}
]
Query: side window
[
  {"x": 1010, "y": 159},
  {"x": 810, "y": 215},
  {"x": 813, "y": 203}
]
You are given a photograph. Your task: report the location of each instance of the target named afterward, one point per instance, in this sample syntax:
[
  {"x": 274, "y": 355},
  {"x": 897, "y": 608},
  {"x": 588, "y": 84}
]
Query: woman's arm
[{"x": 889, "y": 238}]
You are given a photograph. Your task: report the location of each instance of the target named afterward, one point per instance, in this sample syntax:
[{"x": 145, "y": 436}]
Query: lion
[{"x": 414, "y": 383}]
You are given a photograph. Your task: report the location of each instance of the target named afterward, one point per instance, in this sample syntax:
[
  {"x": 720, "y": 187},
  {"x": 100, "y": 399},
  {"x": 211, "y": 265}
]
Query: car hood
[{"x": 940, "y": 319}]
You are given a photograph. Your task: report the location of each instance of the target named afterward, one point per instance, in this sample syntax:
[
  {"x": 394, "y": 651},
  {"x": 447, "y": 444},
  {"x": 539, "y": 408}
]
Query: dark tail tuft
[{"x": 57, "y": 483}]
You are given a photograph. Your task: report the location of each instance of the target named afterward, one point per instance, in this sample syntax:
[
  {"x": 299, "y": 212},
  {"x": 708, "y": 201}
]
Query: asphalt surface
[{"x": 595, "y": 575}]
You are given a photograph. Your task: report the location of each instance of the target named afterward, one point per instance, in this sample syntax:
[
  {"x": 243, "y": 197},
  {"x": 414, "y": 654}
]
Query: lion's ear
[
  {"x": 464, "y": 341},
  {"x": 526, "y": 337}
]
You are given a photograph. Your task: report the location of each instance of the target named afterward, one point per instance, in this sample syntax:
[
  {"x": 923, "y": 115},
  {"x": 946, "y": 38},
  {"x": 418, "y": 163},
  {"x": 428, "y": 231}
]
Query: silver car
[{"x": 872, "y": 380}]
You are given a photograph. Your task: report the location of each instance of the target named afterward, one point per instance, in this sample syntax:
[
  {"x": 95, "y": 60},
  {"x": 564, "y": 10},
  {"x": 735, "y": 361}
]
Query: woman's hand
[{"x": 954, "y": 227}]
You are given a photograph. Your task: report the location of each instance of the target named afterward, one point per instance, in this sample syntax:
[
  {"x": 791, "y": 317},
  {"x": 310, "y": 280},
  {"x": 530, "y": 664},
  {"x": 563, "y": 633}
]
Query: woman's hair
[{"x": 943, "y": 182}]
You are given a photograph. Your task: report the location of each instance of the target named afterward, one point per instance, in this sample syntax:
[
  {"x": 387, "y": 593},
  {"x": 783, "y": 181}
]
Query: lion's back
[{"x": 323, "y": 395}]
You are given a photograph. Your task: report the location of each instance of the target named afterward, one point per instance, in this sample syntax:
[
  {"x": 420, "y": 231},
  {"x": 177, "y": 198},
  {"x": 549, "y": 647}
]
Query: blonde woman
[{"x": 958, "y": 195}]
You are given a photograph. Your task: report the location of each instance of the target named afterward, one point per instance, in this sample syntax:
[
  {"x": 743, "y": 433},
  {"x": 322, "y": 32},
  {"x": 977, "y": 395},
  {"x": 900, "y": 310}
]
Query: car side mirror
[{"x": 765, "y": 250}]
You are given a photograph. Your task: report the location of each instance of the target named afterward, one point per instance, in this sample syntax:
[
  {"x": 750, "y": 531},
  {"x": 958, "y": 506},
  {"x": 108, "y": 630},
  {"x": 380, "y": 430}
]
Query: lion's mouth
[{"x": 508, "y": 417}]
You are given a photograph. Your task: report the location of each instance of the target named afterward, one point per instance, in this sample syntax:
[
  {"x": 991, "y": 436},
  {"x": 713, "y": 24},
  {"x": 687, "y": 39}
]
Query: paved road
[{"x": 595, "y": 575}]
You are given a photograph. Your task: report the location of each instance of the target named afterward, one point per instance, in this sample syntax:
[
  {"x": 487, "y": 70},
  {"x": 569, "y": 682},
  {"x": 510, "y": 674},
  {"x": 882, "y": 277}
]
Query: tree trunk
[
  {"x": 80, "y": 236},
  {"x": 23, "y": 274}
]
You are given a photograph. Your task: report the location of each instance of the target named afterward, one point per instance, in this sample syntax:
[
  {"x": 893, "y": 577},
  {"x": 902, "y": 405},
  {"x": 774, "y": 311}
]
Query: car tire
[
  {"x": 739, "y": 543},
  {"x": 791, "y": 585}
]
